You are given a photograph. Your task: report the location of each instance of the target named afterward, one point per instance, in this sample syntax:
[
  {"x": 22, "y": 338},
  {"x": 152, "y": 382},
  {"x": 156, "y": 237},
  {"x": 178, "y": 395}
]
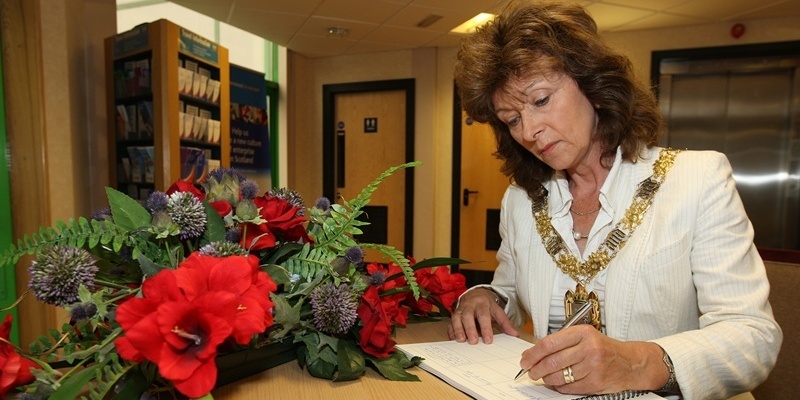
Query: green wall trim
[
  {"x": 275, "y": 64},
  {"x": 272, "y": 96},
  {"x": 8, "y": 292}
]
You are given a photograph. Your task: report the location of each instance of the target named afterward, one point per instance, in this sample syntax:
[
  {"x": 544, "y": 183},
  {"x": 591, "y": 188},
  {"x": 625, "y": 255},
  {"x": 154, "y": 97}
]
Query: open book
[{"x": 486, "y": 371}]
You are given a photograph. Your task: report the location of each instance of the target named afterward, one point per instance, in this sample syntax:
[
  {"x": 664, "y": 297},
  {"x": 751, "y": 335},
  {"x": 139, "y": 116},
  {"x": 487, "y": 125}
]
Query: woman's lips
[{"x": 548, "y": 148}]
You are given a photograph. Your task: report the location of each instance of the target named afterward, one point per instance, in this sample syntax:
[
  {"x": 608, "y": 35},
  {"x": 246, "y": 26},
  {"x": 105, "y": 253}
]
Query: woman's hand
[
  {"x": 597, "y": 363},
  {"x": 479, "y": 306}
]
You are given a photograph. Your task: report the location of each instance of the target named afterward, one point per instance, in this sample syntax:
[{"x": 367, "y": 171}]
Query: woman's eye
[
  {"x": 513, "y": 121},
  {"x": 541, "y": 102}
]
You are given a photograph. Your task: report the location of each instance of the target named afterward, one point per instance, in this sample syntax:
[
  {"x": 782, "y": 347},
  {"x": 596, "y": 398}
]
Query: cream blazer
[{"x": 689, "y": 278}]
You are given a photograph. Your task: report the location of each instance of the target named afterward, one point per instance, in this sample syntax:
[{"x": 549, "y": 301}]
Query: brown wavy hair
[{"x": 530, "y": 37}]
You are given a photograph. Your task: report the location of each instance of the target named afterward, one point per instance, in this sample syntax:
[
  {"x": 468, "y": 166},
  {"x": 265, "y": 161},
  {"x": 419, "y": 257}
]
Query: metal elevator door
[{"x": 747, "y": 109}]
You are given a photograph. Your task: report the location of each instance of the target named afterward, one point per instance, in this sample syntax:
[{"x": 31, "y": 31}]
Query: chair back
[{"x": 783, "y": 382}]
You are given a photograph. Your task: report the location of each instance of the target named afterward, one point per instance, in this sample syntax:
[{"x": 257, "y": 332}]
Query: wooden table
[{"x": 289, "y": 381}]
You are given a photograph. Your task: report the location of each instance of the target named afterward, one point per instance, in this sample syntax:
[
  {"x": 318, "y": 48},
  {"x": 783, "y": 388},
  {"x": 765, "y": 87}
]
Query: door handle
[{"x": 466, "y": 194}]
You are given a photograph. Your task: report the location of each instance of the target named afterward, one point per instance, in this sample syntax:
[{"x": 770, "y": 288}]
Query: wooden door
[
  {"x": 482, "y": 188},
  {"x": 371, "y": 137}
]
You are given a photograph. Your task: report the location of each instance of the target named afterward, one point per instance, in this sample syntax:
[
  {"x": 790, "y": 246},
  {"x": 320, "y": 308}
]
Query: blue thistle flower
[
  {"x": 354, "y": 254},
  {"x": 233, "y": 235},
  {"x": 323, "y": 203},
  {"x": 58, "y": 272},
  {"x": 223, "y": 249},
  {"x": 83, "y": 311},
  {"x": 186, "y": 211},
  {"x": 157, "y": 201},
  {"x": 102, "y": 214},
  {"x": 219, "y": 173},
  {"x": 335, "y": 308},
  {"x": 378, "y": 278},
  {"x": 248, "y": 190}
]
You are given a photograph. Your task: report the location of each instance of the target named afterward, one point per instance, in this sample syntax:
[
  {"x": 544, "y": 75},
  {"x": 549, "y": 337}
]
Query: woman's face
[{"x": 550, "y": 117}]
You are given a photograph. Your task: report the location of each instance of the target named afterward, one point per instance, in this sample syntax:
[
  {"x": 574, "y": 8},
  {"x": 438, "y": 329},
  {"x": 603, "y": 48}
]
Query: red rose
[
  {"x": 443, "y": 286},
  {"x": 183, "y": 186},
  {"x": 15, "y": 370},
  {"x": 223, "y": 207},
  {"x": 283, "y": 224},
  {"x": 375, "y": 335}
]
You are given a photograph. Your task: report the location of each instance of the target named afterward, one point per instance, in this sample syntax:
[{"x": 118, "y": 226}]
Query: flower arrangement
[{"x": 157, "y": 293}]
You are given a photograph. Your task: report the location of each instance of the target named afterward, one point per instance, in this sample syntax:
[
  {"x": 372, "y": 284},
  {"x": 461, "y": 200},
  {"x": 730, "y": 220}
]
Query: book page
[{"x": 485, "y": 371}]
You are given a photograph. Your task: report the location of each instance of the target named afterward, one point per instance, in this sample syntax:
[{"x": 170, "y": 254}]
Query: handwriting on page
[{"x": 484, "y": 370}]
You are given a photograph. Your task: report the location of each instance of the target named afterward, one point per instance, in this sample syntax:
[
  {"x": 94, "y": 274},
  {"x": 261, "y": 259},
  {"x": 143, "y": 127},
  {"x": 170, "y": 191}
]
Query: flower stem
[{"x": 110, "y": 284}]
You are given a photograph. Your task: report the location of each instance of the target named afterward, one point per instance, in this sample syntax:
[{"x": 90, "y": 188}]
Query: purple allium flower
[
  {"x": 186, "y": 211},
  {"x": 219, "y": 173},
  {"x": 83, "y": 311},
  {"x": 354, "y": 254},
  {"x": 58, "y": 272},
  {"x": 157, "y": 201},
  {"x": 323, "y": 203},
  {"x": 102, "y": 214},
  {"x": 334, "y": 308},
  {"x": 248, "y": 190},
  {"x": 291, "y": 197},
  {"x": 233, "y": 235},
  {"x": 223, "y": 249}
]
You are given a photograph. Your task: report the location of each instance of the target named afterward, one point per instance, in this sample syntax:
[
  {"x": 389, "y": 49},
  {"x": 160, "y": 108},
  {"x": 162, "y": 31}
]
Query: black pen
[{"x": 577, "y": 317}]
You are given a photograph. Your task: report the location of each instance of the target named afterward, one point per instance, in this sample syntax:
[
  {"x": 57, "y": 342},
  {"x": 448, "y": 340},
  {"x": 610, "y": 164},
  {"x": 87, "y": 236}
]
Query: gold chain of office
[{"x": 584, "y": 272}]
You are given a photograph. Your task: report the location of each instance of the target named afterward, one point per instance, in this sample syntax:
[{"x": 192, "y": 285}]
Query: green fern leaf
[
  {"x": 309, "y": 262},
  {"x": 397, "y": 258}
]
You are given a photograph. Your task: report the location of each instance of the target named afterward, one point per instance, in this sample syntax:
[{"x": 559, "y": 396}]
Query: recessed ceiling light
[
  {"x": 474, "y": 22},
  {"x": 338, "y": 32},
  {"x": 429, "y": 20}
]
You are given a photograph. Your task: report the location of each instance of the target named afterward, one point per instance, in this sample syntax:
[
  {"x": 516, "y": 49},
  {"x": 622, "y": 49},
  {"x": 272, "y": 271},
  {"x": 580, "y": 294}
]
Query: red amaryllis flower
[
  {"x": 223, "y": 207},
  {"x": 191, "y": 333},
  {"x": 283, "y": 224},
  {"x": 183, "y": 186},
  {"x": 178, "y": 335},
  {"x": 136, "y": 316},
  {"x": 15, "y": 370},
  {"x": 238, "y": 275},
  {"x": 375, "y": 335}
]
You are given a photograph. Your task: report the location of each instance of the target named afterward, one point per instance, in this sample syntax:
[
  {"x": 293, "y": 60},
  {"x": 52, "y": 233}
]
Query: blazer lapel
[{"x": 624, "y": 270}]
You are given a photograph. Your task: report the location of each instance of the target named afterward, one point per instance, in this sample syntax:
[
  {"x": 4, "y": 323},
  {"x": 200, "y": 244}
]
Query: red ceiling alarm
[{"x": 737, "y": 30}]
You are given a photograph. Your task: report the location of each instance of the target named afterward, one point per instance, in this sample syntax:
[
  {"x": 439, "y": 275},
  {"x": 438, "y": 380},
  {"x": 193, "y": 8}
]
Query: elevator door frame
[{"x": 735, "y": 60}]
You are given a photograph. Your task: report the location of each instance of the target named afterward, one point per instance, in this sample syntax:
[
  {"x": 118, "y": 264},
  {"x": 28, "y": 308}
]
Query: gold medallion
[{"x": 574, "y": 300}]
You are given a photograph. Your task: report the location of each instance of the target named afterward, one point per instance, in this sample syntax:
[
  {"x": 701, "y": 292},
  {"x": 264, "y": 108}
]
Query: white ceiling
[{"x": 383, "y": 25}]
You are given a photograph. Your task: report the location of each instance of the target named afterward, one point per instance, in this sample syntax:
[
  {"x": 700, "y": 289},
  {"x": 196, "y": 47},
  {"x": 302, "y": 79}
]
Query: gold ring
[
  {"x": 568, "y": 377},
  {"x": 459, "y": 311}
]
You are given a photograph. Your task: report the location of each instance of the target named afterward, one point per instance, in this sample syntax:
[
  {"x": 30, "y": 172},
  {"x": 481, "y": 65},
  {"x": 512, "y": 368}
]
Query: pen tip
[{"x": 520, "y": 373}]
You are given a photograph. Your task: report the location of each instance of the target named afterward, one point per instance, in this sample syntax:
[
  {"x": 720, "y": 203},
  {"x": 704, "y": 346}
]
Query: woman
[{"x": 656, "y": 240}]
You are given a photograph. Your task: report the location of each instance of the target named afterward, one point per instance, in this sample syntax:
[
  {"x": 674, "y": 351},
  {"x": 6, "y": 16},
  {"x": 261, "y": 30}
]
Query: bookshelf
[{"x": 168, "y": 112}]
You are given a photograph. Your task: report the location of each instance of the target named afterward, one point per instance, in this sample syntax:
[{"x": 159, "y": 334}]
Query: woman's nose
[{"x": 530, "y": 129}]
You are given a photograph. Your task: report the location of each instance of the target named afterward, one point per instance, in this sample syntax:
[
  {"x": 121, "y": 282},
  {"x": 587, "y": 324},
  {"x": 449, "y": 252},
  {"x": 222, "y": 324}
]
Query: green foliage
[
  {"x": 394, "y": 367},
  {"x": 78, "y": 233},
  {"x": 310, "y": 262},
  {"x": 337, "y": 230},
  {"x": 351, "y": 362},
  {"x": 106, "y": 377},
  {"x": 128, "y": 213}
]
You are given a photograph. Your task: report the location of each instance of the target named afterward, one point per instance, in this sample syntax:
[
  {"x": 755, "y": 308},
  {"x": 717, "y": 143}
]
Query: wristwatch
[{"x": 672, "y": 383}]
